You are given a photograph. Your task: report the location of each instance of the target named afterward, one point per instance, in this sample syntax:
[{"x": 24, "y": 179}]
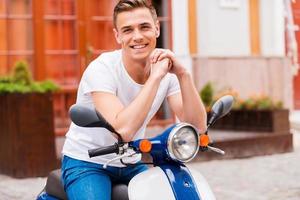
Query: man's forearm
[
  {"x": 132, "y": 117},
  {"x": 193, "y": 109}
]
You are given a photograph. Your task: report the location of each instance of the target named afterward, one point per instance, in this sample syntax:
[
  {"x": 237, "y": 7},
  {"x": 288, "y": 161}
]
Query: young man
[{"x": 127, "y": 87}]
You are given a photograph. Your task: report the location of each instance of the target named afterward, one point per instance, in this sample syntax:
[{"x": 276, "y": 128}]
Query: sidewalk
[{"x": 271, "y": 177}]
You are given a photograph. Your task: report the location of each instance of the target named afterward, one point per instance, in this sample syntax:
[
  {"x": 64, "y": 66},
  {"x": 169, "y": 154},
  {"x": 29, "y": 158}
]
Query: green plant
[
  {"x": 21, "y": 73},
  {"x": 21, "y": 81},
  {"x": 261, "y": 102},
  {"x": 5, "y": 79},
  {"x": 228, "y": 91},
  {"x": 254, "y": 102},
  {"x": 206, "y": 94}
]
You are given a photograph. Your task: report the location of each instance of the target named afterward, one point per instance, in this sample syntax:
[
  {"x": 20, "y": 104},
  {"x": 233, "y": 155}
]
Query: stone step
[
  {"x": 237, "y": 144},
  {"x": 247, "y": 144}
]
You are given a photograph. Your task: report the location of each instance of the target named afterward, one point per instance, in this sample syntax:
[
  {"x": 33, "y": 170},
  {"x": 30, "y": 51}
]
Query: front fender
[
  {"x": 149, "y": 185},
  {"x": 154, "y": 184},
  {"x": 202, "y": 185}
]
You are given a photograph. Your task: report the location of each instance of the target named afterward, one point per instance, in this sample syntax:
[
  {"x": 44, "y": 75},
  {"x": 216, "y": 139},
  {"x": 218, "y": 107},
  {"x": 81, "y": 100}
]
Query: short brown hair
[{"x": 128, "y": 5}]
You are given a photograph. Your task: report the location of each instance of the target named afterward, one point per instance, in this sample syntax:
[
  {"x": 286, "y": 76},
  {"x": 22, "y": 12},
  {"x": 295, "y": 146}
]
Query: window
[
  {"x": 58, "y": 38},
  {"x": 16, "y": 33},
  {"x": 99, "y": 28},
  {"x": 60, "y": 41},
  {"x": 163, "y": 9}
]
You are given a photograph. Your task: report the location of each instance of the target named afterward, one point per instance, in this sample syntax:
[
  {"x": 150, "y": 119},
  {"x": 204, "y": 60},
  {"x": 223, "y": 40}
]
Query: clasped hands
[{"x": 163, "y": 61}]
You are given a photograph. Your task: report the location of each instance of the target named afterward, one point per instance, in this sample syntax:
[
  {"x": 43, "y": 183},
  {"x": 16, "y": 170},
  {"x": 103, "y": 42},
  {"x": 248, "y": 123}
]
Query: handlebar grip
[{"x": 104, "y": 150}]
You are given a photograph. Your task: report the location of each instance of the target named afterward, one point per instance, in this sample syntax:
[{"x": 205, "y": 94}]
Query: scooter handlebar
[
  {"x": 104, "y": 150},
  {"x": 217, "y": 150}
]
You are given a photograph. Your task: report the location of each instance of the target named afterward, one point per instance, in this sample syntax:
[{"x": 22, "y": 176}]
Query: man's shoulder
[
  {"x": 109, "y": 57},
  {"x": 107, "y": 60}
]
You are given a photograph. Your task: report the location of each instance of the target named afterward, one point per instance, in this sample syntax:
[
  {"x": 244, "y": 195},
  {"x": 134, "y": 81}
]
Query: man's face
[{"x": 136, "y": 31}]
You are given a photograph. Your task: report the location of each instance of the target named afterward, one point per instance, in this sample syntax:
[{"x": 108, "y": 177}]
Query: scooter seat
[{"x": 55, "y": 188}]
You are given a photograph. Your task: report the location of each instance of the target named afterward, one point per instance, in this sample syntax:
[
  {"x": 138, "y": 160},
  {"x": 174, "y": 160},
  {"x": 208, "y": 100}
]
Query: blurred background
[
  {"x": 246, "y": 48},
  {"x": 249, "y": 46}
]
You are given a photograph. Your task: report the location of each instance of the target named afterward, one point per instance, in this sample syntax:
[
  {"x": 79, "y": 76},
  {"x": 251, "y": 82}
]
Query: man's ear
[
  {"x": 157, "y": 29},
  {"x": 117, "y": 36}
]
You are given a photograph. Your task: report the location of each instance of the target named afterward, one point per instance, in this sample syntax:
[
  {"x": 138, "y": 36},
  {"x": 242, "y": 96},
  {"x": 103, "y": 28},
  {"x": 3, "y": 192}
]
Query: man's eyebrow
[
  {"x": 142, "y": 24},
  {"x": 125, "y": 27},
  {"x": 145, "y": 23}
]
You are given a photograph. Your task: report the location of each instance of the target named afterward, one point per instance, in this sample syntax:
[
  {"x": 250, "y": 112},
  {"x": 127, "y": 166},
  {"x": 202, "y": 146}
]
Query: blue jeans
[{"x": 86, "y": 180}]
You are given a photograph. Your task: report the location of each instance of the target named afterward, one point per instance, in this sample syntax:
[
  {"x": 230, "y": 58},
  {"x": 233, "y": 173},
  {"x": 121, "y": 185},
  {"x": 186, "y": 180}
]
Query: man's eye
[
  {"x": 126, "y": 30},
  {"x": 145, "y": 27}
]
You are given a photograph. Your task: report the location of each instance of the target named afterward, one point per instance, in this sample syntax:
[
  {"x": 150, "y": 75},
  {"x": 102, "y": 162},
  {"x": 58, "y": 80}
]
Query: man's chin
[
  {"x": 140, "y": 56},
  {"x": 137, "y": 56}
]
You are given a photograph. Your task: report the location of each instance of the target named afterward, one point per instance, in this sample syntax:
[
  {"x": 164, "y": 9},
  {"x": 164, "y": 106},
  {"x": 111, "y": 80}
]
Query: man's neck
[{"x": 139, "y": 71}]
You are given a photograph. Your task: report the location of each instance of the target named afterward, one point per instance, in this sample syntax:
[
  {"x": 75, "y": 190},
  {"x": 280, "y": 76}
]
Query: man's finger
[
  {"x": 156, "y": 55},
  {"x": 163, "y": 56}
]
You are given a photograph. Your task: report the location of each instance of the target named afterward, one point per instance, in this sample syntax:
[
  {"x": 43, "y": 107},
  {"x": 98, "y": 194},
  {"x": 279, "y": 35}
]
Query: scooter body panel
[
  {"x": 202, "y": 185},
  {"x": 149, "y": 185},
  {"x": 181, "y": 181},
  {"x": 154, "y": 184}
]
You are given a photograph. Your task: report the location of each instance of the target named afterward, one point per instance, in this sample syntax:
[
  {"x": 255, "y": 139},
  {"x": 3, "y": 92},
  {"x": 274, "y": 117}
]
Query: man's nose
[{"x": 137, "y": 35}]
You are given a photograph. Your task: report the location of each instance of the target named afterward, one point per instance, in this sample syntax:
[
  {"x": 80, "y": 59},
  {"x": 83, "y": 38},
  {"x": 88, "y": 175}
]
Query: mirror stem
[{"x": 211, "y": 119}]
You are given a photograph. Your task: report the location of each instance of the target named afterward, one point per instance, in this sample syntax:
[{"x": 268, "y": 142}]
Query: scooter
[{"x": 169, "y": 179}]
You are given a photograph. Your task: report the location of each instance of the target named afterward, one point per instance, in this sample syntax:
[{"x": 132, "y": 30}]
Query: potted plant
[
  {"x": 207, "y": 94},
  {"x": 257, "y": 113},
  {"x": 27, "y": 143}
]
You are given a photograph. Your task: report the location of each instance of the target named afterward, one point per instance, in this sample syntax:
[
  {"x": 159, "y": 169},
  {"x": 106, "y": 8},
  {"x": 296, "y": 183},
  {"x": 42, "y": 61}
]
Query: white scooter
[{"x": 169, "y": 179}]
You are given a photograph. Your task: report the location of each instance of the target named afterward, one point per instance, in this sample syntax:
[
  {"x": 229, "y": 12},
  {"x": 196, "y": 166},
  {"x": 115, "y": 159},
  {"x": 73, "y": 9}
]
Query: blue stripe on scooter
[{"x": 181, "y": 181}]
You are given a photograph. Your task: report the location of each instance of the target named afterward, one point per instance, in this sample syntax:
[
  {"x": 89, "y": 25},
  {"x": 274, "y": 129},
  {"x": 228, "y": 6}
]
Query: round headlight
[{"x": 183, "y": 143}]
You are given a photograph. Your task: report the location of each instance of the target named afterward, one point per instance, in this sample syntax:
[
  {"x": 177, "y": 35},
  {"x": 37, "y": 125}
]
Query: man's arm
[
  {"x": 127, "y": 120},
  {"x": 187, "y": 105}
]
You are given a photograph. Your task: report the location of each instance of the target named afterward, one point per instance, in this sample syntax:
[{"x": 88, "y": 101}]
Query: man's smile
[{"x": 138, "y": 46}]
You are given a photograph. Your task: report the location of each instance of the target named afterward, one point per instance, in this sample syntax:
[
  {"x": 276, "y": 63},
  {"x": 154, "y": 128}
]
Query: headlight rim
[{"x": 169, "y": 142}]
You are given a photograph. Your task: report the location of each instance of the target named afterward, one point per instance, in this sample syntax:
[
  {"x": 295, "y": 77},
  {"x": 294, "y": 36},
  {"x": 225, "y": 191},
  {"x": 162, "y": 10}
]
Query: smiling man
[{"x": 127, "y": 87}]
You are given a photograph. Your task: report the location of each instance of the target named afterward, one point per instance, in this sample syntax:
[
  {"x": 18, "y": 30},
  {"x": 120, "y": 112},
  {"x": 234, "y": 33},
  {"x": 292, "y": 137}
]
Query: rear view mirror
[
  {"x": 220, "y": 108},
  {"x": 86, "y": 117}
]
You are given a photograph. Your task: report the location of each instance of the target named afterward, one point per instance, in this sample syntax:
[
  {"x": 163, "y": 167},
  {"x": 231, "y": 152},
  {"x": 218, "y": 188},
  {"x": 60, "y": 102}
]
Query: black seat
[{"x": 54, "y": 188}]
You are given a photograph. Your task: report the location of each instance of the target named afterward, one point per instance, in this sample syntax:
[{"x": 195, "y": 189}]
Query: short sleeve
[
  {"x": 98, "y": 77},
  {"x": 174, "y": 86}
]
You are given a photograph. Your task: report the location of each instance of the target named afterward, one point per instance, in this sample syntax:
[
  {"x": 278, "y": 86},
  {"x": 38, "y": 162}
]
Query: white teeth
[{"x": 139, "y": 46}]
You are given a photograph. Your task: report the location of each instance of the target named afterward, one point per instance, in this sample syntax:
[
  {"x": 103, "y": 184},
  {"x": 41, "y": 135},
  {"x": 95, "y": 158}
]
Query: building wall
[
  {"x": 223, "y": 31},
  {"x": 272, "y": 38},
  {"x": 224, "y": 47},
  {"x": 180, "y": 34},
  {"x": 247, "y": 75}
]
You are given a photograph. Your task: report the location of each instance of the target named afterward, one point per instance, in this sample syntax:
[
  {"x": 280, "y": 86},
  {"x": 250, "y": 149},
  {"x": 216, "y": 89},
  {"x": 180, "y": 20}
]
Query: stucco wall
[
  {"x": 247, "y": 75},
  {"x": 272, "y": 39},
  {"x": 223, "y": 31},
  {"x": 180, "y": 33}
]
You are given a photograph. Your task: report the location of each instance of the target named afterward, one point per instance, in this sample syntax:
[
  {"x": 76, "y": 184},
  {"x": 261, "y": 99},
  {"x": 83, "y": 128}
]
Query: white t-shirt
[{"x": 108, "y": 74}]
